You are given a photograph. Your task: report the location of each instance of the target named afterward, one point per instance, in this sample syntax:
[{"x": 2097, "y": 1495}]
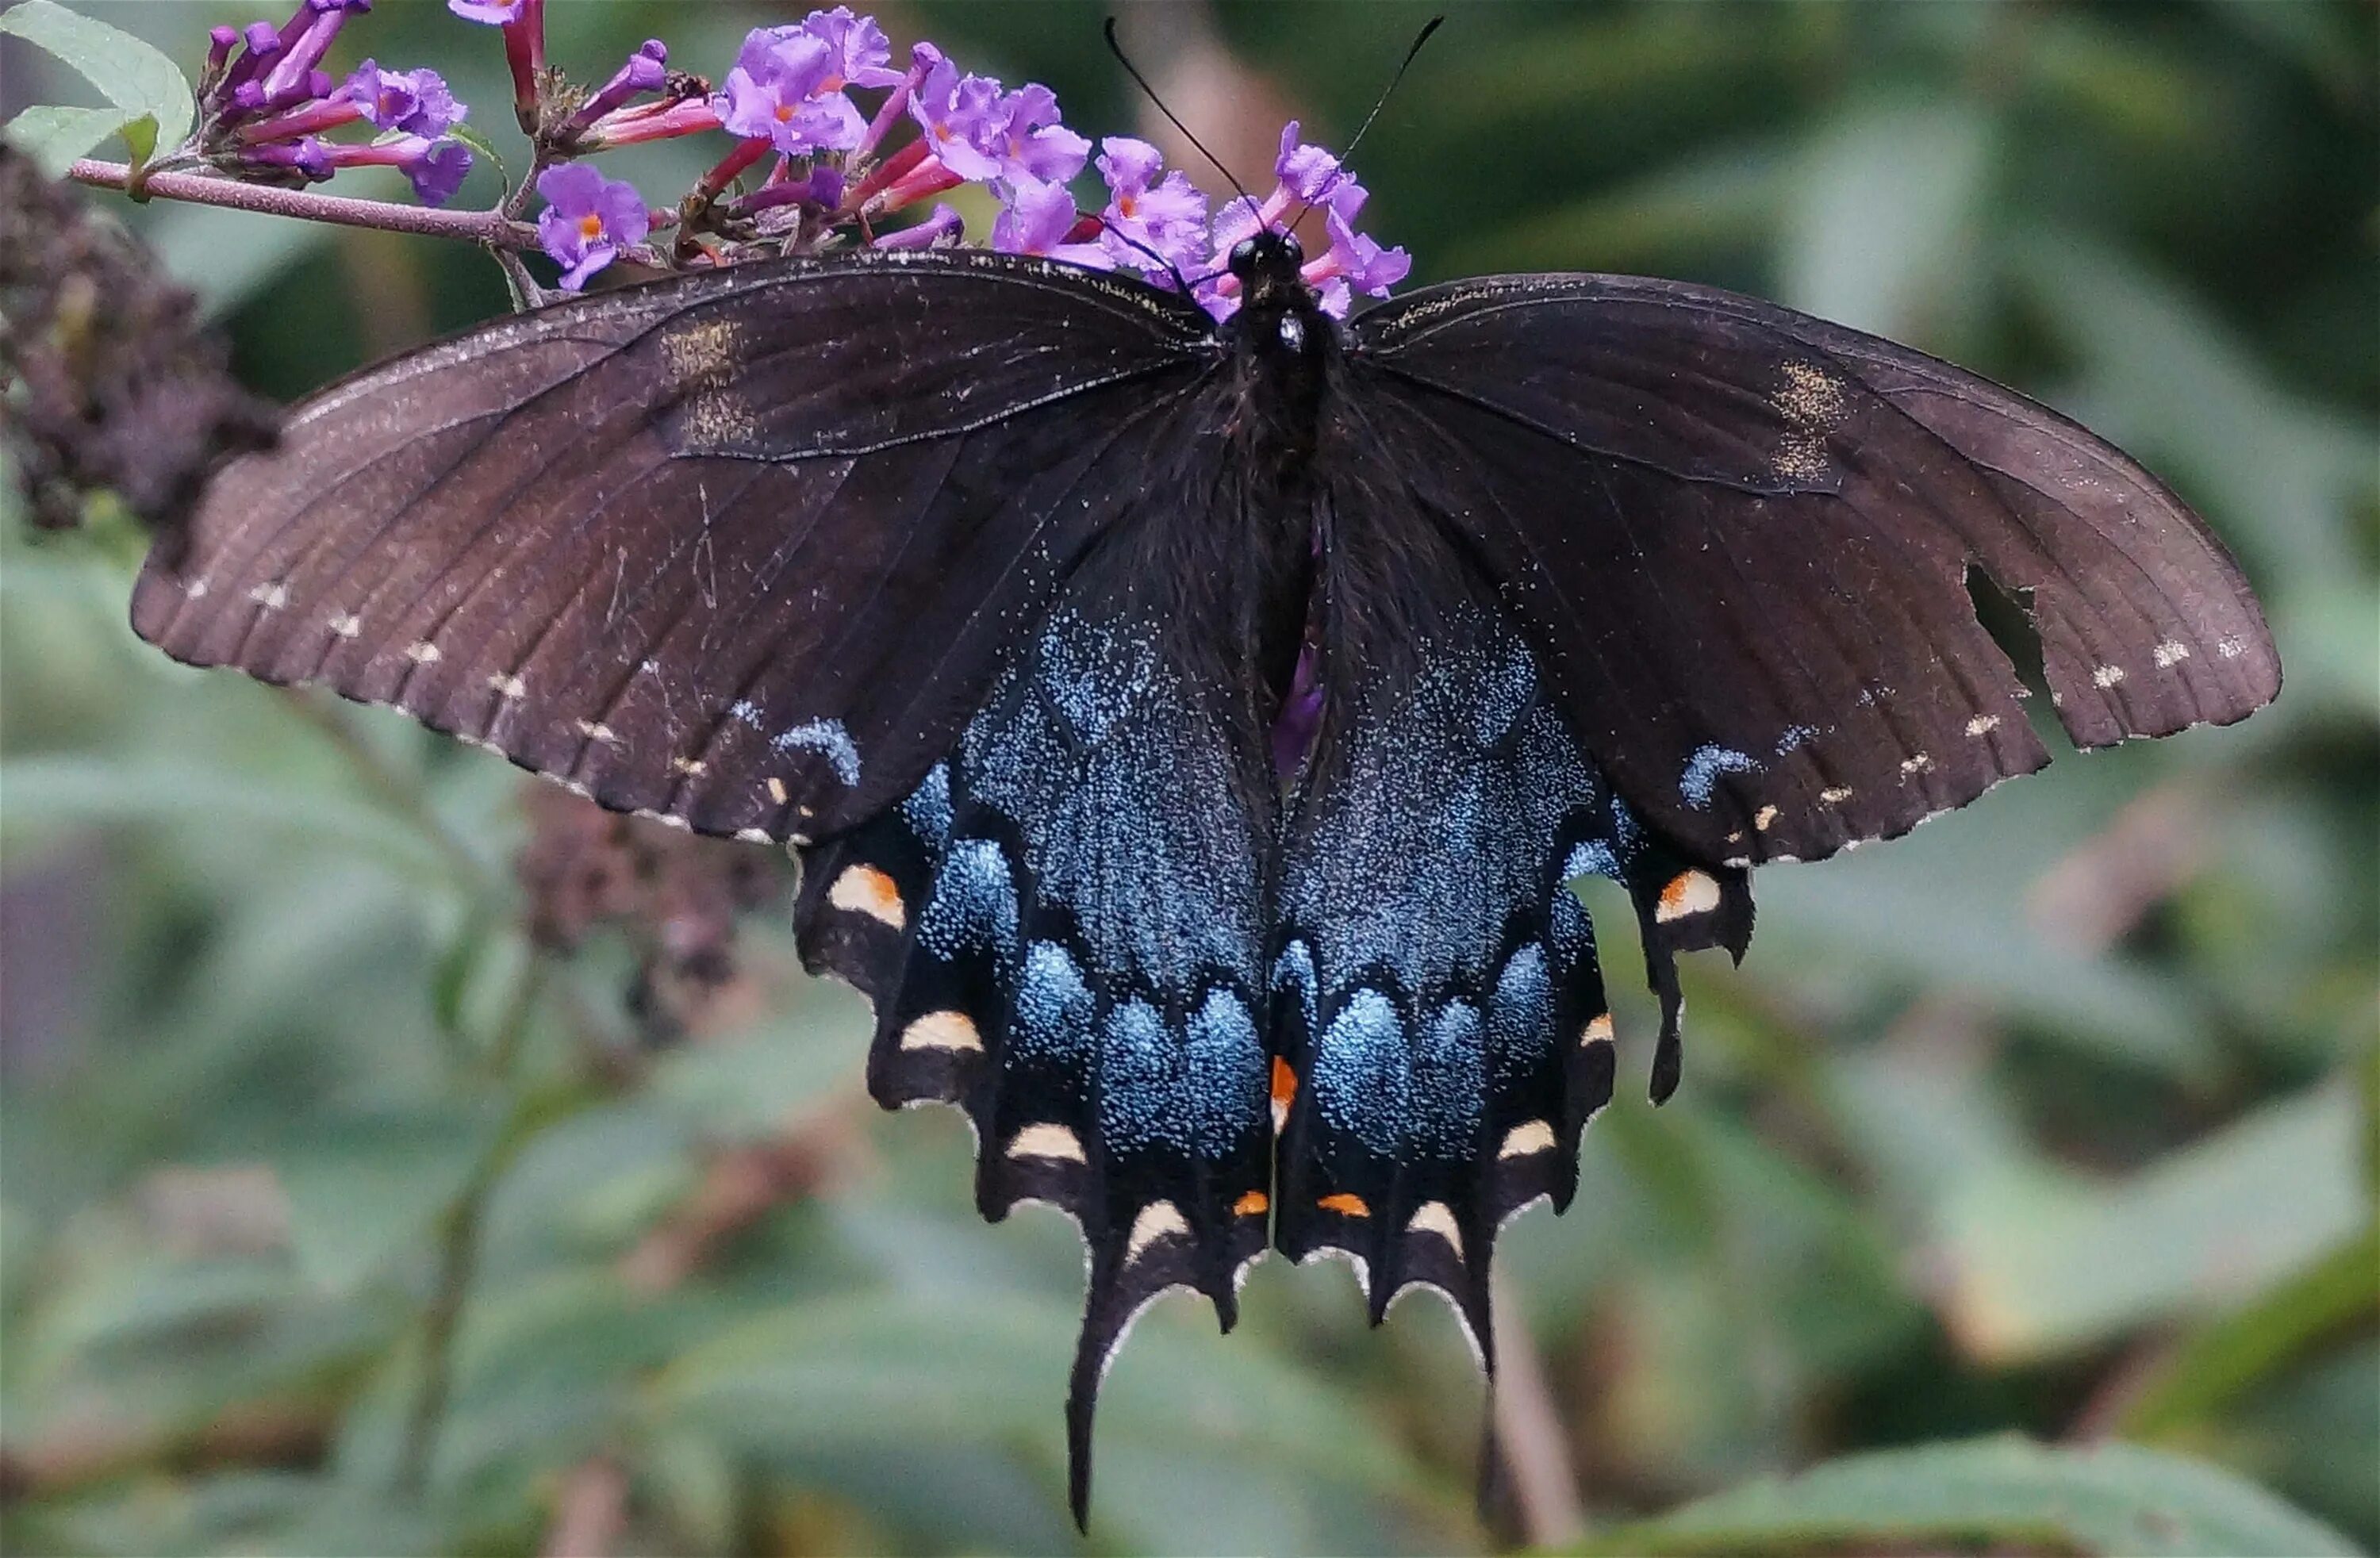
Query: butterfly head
[{"x": 1266, "y": 264}]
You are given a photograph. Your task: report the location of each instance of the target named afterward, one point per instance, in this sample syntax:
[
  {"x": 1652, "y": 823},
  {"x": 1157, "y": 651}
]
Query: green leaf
[
  {"x": 2237, "y": 1353},
  {"x": 130, "y": 74},
  {"x": 2001, "y": 1492},
  {"x": 364, "y": 1188},
  {"x": 55, "y": 136}
]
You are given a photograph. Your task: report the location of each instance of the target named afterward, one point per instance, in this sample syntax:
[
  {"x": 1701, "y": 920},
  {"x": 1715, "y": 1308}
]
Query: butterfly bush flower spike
[{"x": 588, "y": 219}]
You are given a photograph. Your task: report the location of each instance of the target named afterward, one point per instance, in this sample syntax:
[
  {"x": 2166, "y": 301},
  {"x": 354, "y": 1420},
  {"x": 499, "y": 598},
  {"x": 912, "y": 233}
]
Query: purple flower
[
  {"x": 944, "y": 227},
  {"x": 1024, "y": 136},
  {"x": 494, "y": 12},
  {"x": 304, "y": 42},
  {"x": 414, "y": 100},
  {"x": 778, "y": 89},
  {"x": 1038, "y": 220},
  {"x": 310, "y": 155},
  {"x": 1355, "y": 259},
  {"x": 647, "y": 70},
  {"x": 960, "y": 115},
  {"x": 859, "y": 54},
  {"x": 1149, "y": 226},
  {"x": 588, "y": 219},
  {"x": 1307, "y": 172},
  {"x": 437, "y": 169}
]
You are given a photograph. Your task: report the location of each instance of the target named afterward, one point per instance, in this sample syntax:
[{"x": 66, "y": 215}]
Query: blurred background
[{"x": 396, "y": 1157}]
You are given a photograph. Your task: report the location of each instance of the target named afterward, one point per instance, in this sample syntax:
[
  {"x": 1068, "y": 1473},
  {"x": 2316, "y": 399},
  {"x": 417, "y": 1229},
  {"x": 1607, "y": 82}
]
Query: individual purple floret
[
  {"x": 303, "y": 43},
  {"x": 1040, "y": 219},
  {"x": 944, "y": 228},
  {"x": 1023, "y": 136},
  {"x": 960, "y": 115},
  {"x": 1358, "y": 257},
  {"x": 417, "y": 102},
  {"x": 859, "y": 54},
  {"x": 1307, "y": 173},
  {"x": 588, "y": 219},
  {"x": 496, "y": 13},
  {"x": 1149, "y": 225},
  {"x": 778, "y": 89},
  {"x": 647, "y": 70}
]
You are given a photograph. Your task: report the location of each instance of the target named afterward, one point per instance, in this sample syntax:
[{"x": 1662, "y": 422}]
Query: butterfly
[{"x": 1190, "y": 731}]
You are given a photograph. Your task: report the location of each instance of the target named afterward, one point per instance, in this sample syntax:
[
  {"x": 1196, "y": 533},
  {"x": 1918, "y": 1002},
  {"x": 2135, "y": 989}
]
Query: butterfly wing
[
  {"x": 1063, "y": 930},
  {"x": 740, "y": 550},
  {"x": 1439, "y": 1011},
  {"x": 1741, "y": 538}
]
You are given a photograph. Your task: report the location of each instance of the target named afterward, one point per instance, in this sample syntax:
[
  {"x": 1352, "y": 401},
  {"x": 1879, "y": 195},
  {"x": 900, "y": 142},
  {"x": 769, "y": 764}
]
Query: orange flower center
[
  {"x": 590, "y": 227},
  {"x": 785, "y": 112},
  {"x": 1128, "y": 204}
]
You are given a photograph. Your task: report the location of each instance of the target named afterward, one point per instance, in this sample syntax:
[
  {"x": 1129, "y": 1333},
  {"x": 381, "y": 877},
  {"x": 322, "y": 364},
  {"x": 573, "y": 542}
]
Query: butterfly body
[{"x": 1190, "y": 731}]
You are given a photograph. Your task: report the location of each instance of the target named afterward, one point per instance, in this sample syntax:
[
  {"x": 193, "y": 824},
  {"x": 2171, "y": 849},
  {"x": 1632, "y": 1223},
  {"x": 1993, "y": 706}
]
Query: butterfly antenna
[
  {"x": 1133, "y": 71},
  {"x": 1432, "y": 25}
]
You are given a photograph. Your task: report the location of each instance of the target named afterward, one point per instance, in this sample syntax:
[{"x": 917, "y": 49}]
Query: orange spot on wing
[
  {"x": 1346, "y": 1204},
  {"x": 1252, "y": 1204},
  {"x": 1285, "y": 1083}
]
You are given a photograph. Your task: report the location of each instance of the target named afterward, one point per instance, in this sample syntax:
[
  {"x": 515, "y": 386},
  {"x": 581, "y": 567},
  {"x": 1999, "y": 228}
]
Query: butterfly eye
[
  {"x": 1292, "y": 250},
  {"x": 1243, "y": 257}
]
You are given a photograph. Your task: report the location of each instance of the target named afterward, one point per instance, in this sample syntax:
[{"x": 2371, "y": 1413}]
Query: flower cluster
[
  {"x": 820, "y": 175},
  {"x": 268, "y": 106}
]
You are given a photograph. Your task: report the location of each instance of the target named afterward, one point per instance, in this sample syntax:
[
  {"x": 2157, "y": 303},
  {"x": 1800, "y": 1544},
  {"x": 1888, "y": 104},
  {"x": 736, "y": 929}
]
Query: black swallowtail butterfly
[{"x": 1190, "y": 730}]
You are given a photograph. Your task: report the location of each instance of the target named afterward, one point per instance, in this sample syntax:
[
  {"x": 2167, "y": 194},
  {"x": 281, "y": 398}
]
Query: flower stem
[{"x": 491, "y": 227}]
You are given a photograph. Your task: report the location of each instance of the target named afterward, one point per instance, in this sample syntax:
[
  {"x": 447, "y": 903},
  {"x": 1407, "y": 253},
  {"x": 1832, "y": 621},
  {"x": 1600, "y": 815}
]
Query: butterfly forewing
[
  {"x": 1740, "y": 538},
  {"x": 742, "y": 551}
]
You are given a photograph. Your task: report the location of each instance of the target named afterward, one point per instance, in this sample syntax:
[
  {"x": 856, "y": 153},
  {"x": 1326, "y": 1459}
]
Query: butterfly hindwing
[
  {"x": 740, "y": 550},
  {"x": 1062, "y": 931},
  {"x": 1741, "y": 538}
]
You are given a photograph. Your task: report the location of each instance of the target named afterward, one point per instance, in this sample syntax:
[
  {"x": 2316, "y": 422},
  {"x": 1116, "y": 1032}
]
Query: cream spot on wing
[
  {"x": 1810, "y": 401},
  {"x": 196, "y": 588},
  {"x": 776, "y": 789},
  {"x": 1596, "y": 1031},
  {"x": 670, "y": 819},
  {"x": 1834, "y": 796},
  {"x": 346, "y": 624},
  {"x": 1983, "y": 724},
  {"x": 576, "y": 788},
  {"x": 2172, "y": 653},
  {"x": 1157, "y": 1220},
  {"x": 1527, "y": 1138},
  {"x": 1917, "y": 764},
  {"x": 941, "y": 1030},
  {"x": 423, "y": 654},
  {"x": 2107, "y": 676},
  {"x": 1688, "y": 893},
  {"x": 1434, "y": 1217},
  {"x": 863, "y": 889},
  {"x": 1047, "y": 1142},
  {"x": 272, "y": 597},
  {"x": 755, "y": 835},
  {"x": 1764, "y": 818},
  {"x": 702, "y": 353},
  {"x": 508, "y": 687},
  {"x": 594, "y": 732},
  {"x": 2231, "y": 648},
  {"x": 693, "y": 768}
]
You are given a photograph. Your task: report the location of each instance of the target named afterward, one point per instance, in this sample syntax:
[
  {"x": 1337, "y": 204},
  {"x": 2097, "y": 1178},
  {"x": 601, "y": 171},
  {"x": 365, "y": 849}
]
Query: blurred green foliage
[{"x": 333, "y": 1218}]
